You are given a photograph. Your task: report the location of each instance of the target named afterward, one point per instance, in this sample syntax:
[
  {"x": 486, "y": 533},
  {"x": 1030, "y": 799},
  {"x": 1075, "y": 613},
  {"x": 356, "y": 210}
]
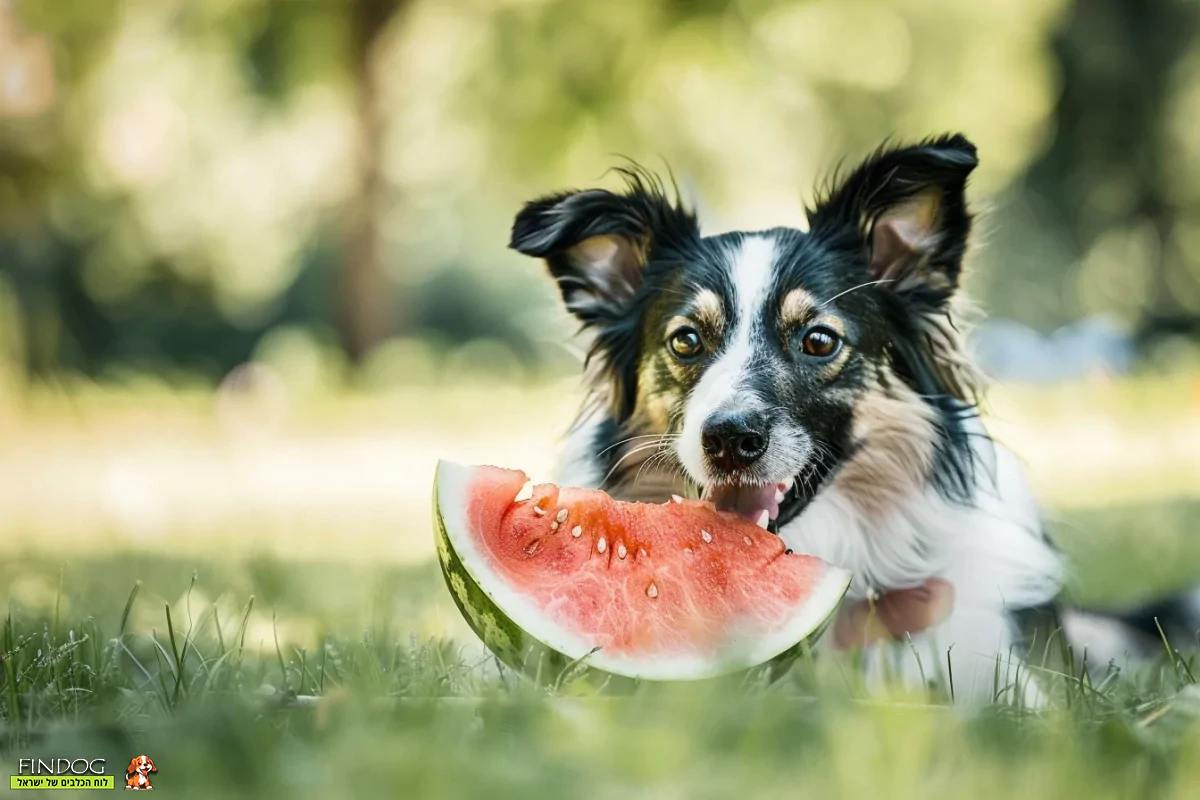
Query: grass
[
  {"x": 251, "y": 665},
  {"x": 257, "y": 678}
]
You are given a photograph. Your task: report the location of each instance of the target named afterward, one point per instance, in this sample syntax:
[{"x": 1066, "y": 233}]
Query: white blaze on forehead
[{"x": 751, "y": 269}]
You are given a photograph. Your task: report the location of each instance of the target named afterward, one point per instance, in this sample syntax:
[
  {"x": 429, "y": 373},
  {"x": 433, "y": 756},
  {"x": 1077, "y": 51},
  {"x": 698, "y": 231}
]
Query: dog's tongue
[{"x": 759, "y": 504}]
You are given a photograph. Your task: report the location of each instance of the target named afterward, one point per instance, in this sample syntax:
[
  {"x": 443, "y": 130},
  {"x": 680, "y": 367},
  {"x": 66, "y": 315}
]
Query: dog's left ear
[
  {"x": 596, "y": 243},
  {"x": 907, "y": 207}
]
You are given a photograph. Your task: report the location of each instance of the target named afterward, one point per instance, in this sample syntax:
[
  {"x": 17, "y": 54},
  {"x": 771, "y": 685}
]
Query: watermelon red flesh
[{"x": 663, "y": 590}]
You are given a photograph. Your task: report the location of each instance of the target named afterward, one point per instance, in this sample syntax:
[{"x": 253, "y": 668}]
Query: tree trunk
[
  {"x": 1117, "y": 60},
  {"x": 367, "y": 299}
]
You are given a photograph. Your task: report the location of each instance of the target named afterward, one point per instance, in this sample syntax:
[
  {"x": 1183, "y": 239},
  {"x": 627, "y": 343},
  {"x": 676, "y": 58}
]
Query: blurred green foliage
[{"x": 180, "y": 177}]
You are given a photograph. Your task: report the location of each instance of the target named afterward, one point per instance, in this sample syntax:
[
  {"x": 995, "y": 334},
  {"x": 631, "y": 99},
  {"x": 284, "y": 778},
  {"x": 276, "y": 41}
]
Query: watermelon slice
[{"x": 678, "y": 591}]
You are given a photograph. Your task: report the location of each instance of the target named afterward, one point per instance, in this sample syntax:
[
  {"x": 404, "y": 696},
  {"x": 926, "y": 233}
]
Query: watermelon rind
[{"x": 521, "y": 635}]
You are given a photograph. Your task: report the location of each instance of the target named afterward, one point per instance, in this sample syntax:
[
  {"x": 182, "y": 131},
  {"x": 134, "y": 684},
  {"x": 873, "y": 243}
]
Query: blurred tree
[
  {"x": 207, "y": 170},
  {"x": 1108, "y": 172},
  {"x": 366, "y": 312}
]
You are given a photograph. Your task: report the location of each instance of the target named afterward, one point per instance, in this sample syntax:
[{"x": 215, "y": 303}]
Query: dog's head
[
  {"x": 141, "y": 765},
  {"x": 771, "y": 360}
]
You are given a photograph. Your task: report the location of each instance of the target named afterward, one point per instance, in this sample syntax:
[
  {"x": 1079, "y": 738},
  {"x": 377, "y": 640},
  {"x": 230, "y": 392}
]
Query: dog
[
  {"x": 137, "y": 774},
  {"x": 816, "y": 382}
]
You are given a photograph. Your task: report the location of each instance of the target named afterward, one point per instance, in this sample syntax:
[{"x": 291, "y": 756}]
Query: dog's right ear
[{"x": 596, "y": 243}]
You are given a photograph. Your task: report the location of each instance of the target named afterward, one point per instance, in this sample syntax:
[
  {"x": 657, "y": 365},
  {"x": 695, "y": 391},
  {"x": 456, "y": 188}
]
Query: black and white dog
[{"x": 815, "y": 382}]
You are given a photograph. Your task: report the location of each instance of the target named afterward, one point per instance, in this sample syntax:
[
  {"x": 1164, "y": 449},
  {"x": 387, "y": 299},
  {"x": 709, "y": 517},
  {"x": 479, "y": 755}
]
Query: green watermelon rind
[
  {"x": 523, "y": 651},
  {"x": 504, "y": 638}
]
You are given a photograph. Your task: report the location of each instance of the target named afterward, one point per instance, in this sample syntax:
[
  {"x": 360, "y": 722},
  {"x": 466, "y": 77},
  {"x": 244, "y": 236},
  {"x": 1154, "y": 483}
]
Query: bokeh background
[
  {"x": 254, "y": 283},
  {"x": 254, "y": 277}
]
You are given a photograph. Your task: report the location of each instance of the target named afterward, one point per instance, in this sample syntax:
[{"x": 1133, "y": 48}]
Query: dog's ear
[
  {"x": 906, "y": 206},
  {"x": 132, "y": 768},
  {"x": 596, "y": 243},
  {"x": 153, "y": 768}
]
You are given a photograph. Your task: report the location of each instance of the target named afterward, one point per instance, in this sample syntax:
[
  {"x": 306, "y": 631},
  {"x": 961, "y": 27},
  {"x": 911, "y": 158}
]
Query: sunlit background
[
  {"x": 254, "y": 277},
  {"x": 254, "y": 282}
]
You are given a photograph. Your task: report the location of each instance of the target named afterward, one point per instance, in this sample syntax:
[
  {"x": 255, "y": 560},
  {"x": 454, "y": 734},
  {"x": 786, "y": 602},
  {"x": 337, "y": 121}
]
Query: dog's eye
[
  {"x": 820, "y": 342},
  {"x": 685, "y": 344}
]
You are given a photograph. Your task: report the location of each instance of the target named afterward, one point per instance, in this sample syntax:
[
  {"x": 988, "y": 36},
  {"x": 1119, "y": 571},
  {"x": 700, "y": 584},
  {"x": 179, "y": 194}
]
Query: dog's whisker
[
  {"x": 634, "y": 451},
  {"x": 855, "y": 288},
  {"x": 628, "y": 440}
]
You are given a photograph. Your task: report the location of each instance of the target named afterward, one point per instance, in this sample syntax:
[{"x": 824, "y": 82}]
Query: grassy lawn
[{"x": 288, "y": 635}]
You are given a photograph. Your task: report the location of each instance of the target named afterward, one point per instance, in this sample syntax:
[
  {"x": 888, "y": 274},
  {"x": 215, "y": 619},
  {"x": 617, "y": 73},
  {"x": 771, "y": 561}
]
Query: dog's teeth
[
  {"x": 764, "y": 518},
  {"x": 677, "y": 498},
  {"x": 779, "y": 496},
  {"x": 789, "y": 483},
  {"x": 525, "y": 493}
]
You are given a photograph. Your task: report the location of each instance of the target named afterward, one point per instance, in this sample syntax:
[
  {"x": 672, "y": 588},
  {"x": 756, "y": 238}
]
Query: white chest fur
[{"x": 992, "y": 550}]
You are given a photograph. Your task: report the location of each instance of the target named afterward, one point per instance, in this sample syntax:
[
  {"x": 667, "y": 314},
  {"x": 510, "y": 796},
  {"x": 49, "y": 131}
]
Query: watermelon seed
[
  {"x": 641, "y": 552},
  {"x": 652, "y": 591},
  {"x": 687, "y": 551},
  {"x": 554, "y": 525},
  {"x": 764, "y": 518},
  {"x": 577, "y": 531},
  {"x": 677, "y": 498},
  {"x": 601, "y": 545},
  {"x": 621, "y": 551},
  {"x": 541, "y": 512},
  {"x": 562, "y": 515},
  {"x": 706, "y": 536},
  {"x": 531, "y": 548},
  {"x": 787, "y": 552},
  {"x": 746, "y": 539}
]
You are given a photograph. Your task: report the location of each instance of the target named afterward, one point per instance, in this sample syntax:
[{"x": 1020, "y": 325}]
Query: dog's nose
[{"x": 732, "y": 441}]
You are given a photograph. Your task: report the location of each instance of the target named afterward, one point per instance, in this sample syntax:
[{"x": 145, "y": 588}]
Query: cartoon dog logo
[{"x": 137, "y": 774}]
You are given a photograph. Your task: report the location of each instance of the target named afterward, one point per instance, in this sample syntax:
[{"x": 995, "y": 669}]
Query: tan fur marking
[
  {"x": 598, "y": 248},
  {"x": 643, "y": 473},
  {"x": 831, "y": 370},
  {"x": 709, "y": 311},
  {"x": 796, "y": 308},
  {"x": 830, "y": 321},
  {"x": 654, "y": 401},
  {"x": 675, "y": 323},
  {"x": 955, "y": 368},
  {"x": 894, "y": 430},
  {"x": 646, "y": 473}
]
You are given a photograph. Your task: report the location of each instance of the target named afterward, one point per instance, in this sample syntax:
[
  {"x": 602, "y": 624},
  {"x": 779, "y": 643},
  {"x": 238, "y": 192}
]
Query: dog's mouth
[
  {"x": 759, "y": 504},
  {"x": 770, "y": 505}
]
